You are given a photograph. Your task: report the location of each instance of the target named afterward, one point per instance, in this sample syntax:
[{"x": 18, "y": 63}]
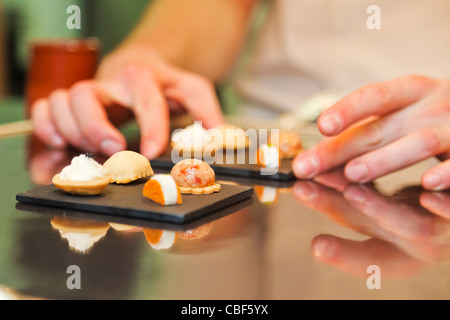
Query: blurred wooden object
[{"x": 3, "y": 66}]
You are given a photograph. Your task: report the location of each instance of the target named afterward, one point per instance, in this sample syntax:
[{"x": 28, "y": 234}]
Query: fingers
[
  {"x": 376, "y": 99},
  {"x": 197, "y": 95},
  {"x": 335, "y": 151},
  {"x": 354, "y": 257},
  {"x": 437, "y": 178},
  {"x": 45, "y": 130},
  {"x": 400, "y": 221},
  {"x": 374, "y": 148},
  {"x": 437, "y": 202},
  {"x": 327, "y": 201},
  {"x": 63, "y": 118},
  {"x": 399, "y": 154},
  {"x": 76, "y": 117},
  {"x": 334, "y": 179},
  {"x": 410, "y": 227},
  {"x": 92, "y": 121},
  {"x": 150, "y": 109}
]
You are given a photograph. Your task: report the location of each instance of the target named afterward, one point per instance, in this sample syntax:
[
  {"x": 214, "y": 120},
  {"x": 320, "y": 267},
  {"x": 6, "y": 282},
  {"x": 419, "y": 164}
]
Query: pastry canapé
[
  {"x": 194, "y": 176},
  {"x": 127, "y": 166},
  {"x": 84, "y": 176}
]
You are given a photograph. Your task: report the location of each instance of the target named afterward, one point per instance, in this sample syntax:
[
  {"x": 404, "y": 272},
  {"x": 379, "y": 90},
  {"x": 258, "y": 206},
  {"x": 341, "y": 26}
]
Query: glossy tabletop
[{"x": 323, "y": 239}]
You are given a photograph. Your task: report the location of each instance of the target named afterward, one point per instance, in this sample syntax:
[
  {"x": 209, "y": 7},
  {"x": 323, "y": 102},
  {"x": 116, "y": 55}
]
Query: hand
[
  {"x": 382, "y": 128},
  {"x": 136, "y": 79},
  {"x": 404, "y": 236}
]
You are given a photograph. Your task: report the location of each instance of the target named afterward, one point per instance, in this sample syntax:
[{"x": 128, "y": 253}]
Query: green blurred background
[
  {"x": 108, "y": 20},
  {"x": 25, "y": 20}
]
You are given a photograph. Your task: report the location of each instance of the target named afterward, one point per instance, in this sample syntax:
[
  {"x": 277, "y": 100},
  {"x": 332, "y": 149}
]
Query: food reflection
[
  {"x": 266, "y": 194},
  {"x": 81, "y": 234},
  {"x": 160, "y": 239},
  {"x": 125, "y": 227},
  {"x": 407, "y": 230},
  {"x": 196, "y": 233},
  {"x": 165, "y": 239}
]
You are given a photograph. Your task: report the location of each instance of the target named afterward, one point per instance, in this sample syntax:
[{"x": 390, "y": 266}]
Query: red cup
[{"x": 58, "y": 64}]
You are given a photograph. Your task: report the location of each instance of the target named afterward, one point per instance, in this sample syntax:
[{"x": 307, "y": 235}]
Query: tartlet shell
[{"x": 91, "y": 187}]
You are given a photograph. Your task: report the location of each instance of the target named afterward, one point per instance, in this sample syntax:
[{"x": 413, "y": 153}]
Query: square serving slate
[
  {"x": 231, "y": 167},
  {"x": 128, "y": 201}
]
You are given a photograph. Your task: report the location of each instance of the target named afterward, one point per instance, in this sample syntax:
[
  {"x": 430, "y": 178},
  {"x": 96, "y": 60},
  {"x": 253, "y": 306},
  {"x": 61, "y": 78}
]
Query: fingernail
[
  {"x": 355, "y": 195},
  {"x": 57, "y": 141},
  {"x": 306, "y": 167},
  {"x": 331, "y": 124},
  {"x": 357, "y": 172},
  {"x": 432, "y": 201},
  {"x": 110, "y": 146},
  {"x": 434, "y": 181},
  {"x": 305, "y": 193},
  {"x": 150, "y": 149},
  {"x": 323, "y": 247}
]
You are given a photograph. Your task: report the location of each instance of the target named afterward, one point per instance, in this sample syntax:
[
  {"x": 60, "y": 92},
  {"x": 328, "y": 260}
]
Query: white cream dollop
[
  {"x": 82, "y": 168},
  {"x": 192, "y": 136}
]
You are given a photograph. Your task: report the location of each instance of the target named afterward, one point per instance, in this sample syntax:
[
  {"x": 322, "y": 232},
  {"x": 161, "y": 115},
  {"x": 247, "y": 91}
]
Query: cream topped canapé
[
  {"x": 83, "y": 168},
  {"x": 193, "y": 136}
]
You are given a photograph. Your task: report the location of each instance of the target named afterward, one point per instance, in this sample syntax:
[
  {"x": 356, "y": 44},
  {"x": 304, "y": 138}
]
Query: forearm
[{"x": 202, "y": 36}]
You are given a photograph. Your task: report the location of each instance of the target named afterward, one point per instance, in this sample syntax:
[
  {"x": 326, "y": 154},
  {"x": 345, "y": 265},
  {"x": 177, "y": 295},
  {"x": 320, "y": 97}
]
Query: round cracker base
[{"x": 199, "y": 191}]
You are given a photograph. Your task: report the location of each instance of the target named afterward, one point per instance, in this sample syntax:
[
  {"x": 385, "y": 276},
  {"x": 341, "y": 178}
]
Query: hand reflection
[
  {"x": 44, "y": 163},
  {"x": 407, "y": 234}
]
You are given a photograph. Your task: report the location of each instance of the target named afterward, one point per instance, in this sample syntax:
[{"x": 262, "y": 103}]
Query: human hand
[
  {"x": 136, "y": 79},
  {"x": 403, "y": 235},
  {"x": 382, "y": 128}
]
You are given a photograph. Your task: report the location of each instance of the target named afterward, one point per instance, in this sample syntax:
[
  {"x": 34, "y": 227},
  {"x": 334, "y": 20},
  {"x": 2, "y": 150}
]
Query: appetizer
[
  {"x": 268, "y": 156},
  {"x": 84, "y": 176},
  {"x": 192, "y": 139},
  {"x": 162, "y": 189},
  {"x": 127, "y": 166},
  {"x": 194, "y": 176},
  {"x": 289, "y": 143}
]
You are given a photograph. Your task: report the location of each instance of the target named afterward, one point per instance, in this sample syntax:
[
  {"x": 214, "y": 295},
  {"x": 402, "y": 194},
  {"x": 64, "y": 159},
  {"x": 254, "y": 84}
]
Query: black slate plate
[
  {"x": 128, "y": 201},
  {"x": 230, "y": 166},
  {"x": 131, "y": 221}
]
